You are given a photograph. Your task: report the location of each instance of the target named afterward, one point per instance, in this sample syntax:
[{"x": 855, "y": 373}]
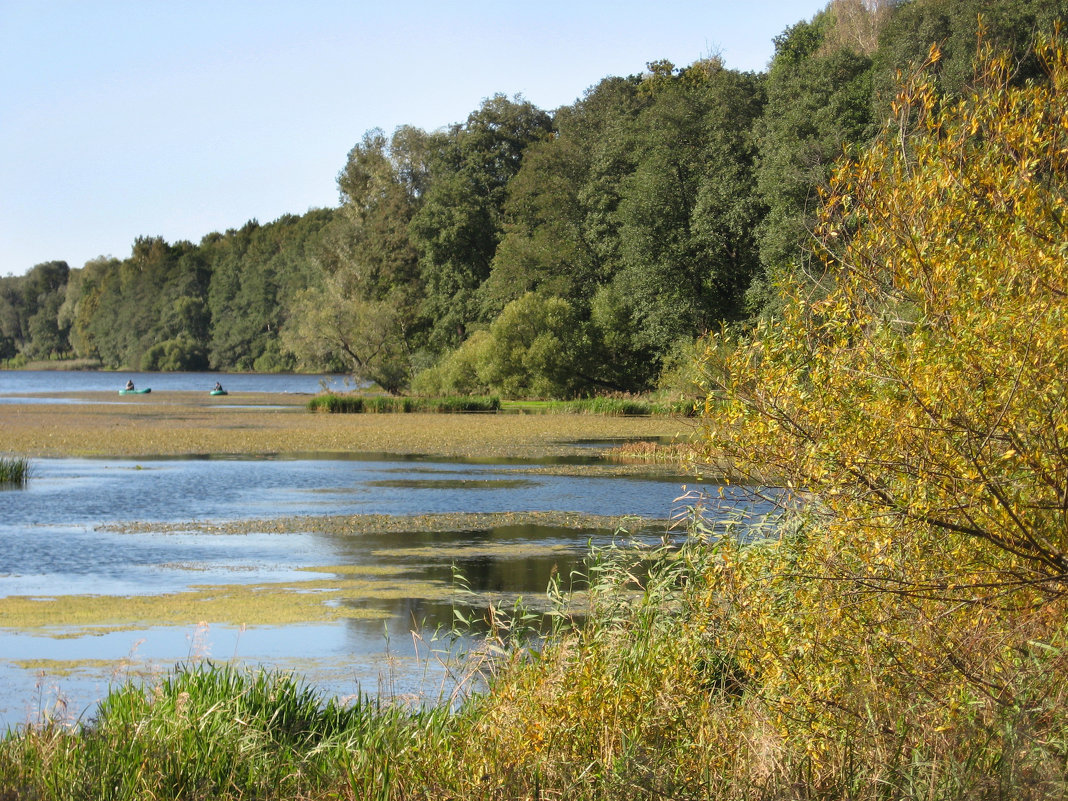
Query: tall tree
[
  {"x": 559, "y": 219},
  {"x": 459, "y": 225},
  {"x": 687, "y": 211},
  {"x": 818, "y": 103},
  {"x": 362, "y": 312}
]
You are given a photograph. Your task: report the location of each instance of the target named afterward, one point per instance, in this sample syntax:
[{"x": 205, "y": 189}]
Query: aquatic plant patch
[
  {"x": 267, "y": 604},
  {"x": 385, "y": 404},
  {"x": 352, "y": 525},
  {"x": 174, "y": 424},
  {"x": 14, "y": 471}
]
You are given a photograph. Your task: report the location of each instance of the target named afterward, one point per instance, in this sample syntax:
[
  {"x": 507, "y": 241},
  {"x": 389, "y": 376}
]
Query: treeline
[{"x": 527, "y": 253}]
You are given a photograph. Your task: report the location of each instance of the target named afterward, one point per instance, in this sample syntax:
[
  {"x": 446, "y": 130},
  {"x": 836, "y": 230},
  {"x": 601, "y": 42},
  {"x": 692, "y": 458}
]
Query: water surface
[
  {"x": 66, "y": 533},
  {"x": 17, "y": 384}
]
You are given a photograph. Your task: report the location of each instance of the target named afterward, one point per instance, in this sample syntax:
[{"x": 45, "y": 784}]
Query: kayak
[
  {"x": 144, "y": 391},
  {"x": 219, "y": 392}
]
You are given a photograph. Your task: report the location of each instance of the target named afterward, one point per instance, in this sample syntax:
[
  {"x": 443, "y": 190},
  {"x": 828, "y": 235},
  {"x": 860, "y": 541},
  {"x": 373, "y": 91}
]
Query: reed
[
  {"x": 14, "y": 471},
  {"x": 213, "y": 731},
  {"x": 385, "y": 404},
  {"x": 679, "y": 454}
]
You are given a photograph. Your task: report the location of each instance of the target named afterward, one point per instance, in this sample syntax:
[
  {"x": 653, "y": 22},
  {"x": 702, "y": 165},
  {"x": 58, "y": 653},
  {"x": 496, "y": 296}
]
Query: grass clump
[
  {"x": 14, "y": 471},
  {"x": 386, "y": 404}
]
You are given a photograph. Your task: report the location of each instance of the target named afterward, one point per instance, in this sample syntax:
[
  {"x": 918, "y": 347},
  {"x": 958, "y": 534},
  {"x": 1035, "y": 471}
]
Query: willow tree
[{"x": 913, "y": 398}]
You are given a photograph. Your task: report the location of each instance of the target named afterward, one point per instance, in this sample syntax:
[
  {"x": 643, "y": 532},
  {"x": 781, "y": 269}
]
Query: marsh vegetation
[{"x": 14, "y": 471}]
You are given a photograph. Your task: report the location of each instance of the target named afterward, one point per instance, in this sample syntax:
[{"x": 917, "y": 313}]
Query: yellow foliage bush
[
  {"x": 899, "y": 631},
  {"x": 912, "y": 398}
]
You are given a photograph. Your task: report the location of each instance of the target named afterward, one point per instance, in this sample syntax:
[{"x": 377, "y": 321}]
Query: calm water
[
  {"x": 52, "y": 543},
  {"x": 19, "y": 383}
]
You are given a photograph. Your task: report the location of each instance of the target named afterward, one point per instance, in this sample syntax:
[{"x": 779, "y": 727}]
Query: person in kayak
[{"x": 129, "y": 385}]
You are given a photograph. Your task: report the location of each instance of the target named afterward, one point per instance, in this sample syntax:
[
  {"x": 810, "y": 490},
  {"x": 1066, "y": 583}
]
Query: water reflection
[
  {"x": 51, "y": 544},
  {"x": 92, "y": 491}
]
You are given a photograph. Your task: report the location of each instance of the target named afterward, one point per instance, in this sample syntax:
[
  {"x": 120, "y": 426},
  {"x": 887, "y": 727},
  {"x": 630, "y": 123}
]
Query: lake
[{"x": 23, "y": 383}]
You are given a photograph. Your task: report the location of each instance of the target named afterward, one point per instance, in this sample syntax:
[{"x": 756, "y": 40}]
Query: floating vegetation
[
  {"x": 352, "y": 525},
  {"x": 269, "y": 604},
  {"x": 453, "y": 483},
  {"x": 14, "y": 471},
  {"x": 174, "y": 424}
]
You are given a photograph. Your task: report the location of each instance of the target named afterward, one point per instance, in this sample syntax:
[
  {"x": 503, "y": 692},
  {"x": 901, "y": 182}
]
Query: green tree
[
  {"x": 953, "y": 25},
  {"x": 458, "y": 227},
  {"x": 361, "y": 313},
  {"x": 255, "y": 271},
  {"x": 687, "y": 210},
  {"x": 818, "y": 104},
  {"x": 535, "y": 349},
  {"x": 334, "y": 329},
  {"x": 29, "y": 312},
  {"x": 560, "y": 227}
]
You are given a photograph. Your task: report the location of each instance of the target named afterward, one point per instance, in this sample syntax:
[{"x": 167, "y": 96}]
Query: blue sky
[{"x": 177, "y": 118}]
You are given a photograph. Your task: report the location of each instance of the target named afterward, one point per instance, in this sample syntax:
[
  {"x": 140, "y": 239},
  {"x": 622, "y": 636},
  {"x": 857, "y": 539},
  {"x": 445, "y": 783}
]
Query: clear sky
[{"x": 176, "y": 118}]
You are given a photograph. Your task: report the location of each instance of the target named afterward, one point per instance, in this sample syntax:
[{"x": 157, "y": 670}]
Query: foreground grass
[
  {"x": 215, "y": 731},
  {"x": 653, "y": 685}
]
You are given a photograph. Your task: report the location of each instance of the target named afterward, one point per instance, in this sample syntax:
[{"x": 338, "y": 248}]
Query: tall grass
[
  {"x": 216, "y": 731},
  {"x": 382, "y": 404},
  {"x": 355, "y": 404},
  {"x": 606, "y": 405},
  {"x": 14, "y": 470}
]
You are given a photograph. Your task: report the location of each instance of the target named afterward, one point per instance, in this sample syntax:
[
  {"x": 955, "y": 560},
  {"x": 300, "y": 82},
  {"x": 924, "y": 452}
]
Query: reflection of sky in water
[
  {"x": 337, "y": 660},
  {"x": 21, "y": 382},
  {"x": 69, "y": 492},
  {"x": 49, "y": 545}
]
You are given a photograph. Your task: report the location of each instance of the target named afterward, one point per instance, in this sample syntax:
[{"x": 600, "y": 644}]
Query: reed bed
[
  {"x": 385, "y": 404},
  {"x": 613, "y": 406},
  {"x": 215, "y": 731},
  {"x": 606, "y": 405},
  {"x": 14, "y": 471},
  {"x": 621, "y": 406}
]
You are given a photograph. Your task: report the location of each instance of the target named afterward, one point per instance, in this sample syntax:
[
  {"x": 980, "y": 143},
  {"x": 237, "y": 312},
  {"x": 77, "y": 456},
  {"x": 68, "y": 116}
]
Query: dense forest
[{"x": 529, "y": 252}]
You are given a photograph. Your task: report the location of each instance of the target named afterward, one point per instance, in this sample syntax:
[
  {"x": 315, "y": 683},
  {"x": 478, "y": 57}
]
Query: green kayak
[{"x": 144, "y": 391}]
